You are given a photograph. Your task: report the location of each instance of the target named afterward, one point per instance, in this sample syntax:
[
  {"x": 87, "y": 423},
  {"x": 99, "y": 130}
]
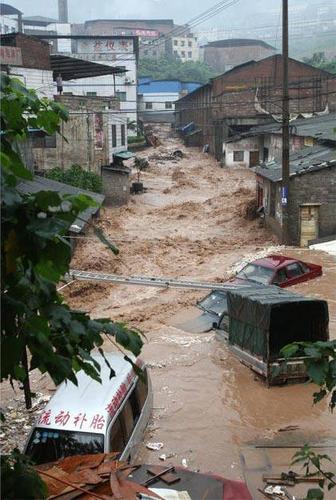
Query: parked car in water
[
  {"x": 278, "y": 270},
  {"x": 93, "y": 417}
]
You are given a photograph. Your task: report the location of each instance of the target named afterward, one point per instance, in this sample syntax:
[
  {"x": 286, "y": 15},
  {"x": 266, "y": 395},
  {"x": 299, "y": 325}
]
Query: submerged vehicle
[
  {"x": 94, "y": 417},
  {"x": 278, "y": 270},
  {"x": 261, "y": 321}
]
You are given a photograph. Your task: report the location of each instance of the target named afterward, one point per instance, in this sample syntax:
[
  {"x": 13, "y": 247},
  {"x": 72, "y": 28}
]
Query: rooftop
[
  {"x": 39, "y": 20},
  {"x": 239, "y": 42},
  {"x": 305, "y": 161},
  {"x": 8, "y": 10},
  {"x": 73, "y": 399},
  {"x": 73, "y": 68},
  {"x": 43, "y": 184},
  {"x": 153, "y": 86}
]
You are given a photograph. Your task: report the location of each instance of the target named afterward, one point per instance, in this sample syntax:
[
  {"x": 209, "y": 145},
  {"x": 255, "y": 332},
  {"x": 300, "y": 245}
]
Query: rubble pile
[{"x": 18, "y": 421}]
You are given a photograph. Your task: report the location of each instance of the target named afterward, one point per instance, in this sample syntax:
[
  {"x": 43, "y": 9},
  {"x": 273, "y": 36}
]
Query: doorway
[
  {"x": 309, "y": 223},
  {"x": 254, "y": 158}
]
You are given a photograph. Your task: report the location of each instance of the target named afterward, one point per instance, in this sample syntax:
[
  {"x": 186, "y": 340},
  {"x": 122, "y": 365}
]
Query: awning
[
  {"x": 72, "y": 68},
  {"x": 124, "y": 155}
]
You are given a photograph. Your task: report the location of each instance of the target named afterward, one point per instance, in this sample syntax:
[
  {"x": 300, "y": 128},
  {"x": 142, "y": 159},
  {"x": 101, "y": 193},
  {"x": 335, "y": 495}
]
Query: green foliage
[
  {"x": 134, "y": 139},
  {"x": 170, "y": 68},
  {"x": 320, "y": 61},
  {"x": 78, "y": 177},
  {"x": 18, "y": 476},
  {"x": 34, "y": 256},
  {"x": 313, "y": 464},
  {"x": 321, "y": 366}
]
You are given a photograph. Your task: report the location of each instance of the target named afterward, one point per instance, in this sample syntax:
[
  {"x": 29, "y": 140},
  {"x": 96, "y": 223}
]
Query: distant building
[
  {"x": 224, "y": 55},
  {"x": 250, "y": 95},
  {"x": 185, "y": 48},
  {"x": 157, "y": 98},
  {"x": 10, "y": 19},
  {"x": 40, "y": 25}
]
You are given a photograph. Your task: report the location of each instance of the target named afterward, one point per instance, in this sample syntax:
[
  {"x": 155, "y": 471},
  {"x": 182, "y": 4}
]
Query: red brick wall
[{"x": 35, "y": 53}]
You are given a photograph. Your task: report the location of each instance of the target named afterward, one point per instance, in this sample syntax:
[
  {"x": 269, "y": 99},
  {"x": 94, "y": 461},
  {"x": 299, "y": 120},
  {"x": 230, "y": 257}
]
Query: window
[
  {"x": 121, "y": 96},
  {"x": 48, "y": 141},
  {"x": 114, "y": 136},
  {"x": 13, "y": 30},
  {"x": 141, "y": 389},
  {"x": 175, "y": 42},
  {"x": 294, "y": 270},
  {"x": 189, "y": 44},
  {"x": 169, "y": 105},
  {"x": 280, "y": 277},
  {"x": 190, "y": 55},
  {"x": 127, "y": 420},
  {"x": 123, "y": 134},
  {"x": 182, "y": 43},
  {"x": 182, "y": 53},
  {"x": 117, "y": 437},
  {"x": 91, "y": 94},
  {"x": 224, "y": 323},
  {"x": 175, "y": 53},
  {"x": 254, "y": 272},
  {"x": 6, "y": 28},
  {"x": 48, "y": 445},
  {"x": 238, "y": 156},
  {"x": 149, "y": 105}
]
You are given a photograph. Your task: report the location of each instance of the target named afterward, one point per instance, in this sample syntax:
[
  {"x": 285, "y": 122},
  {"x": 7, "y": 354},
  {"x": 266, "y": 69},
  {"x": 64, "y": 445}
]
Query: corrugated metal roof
[
  {"x": 305, "y": 161},
  {"x": 239, "y": 42},
  {"x": 43, "y": 184},
  {"x": 320, "y": 127},
  {"x": 167, "y": 86},
  {"x": 72, "y": 68}
]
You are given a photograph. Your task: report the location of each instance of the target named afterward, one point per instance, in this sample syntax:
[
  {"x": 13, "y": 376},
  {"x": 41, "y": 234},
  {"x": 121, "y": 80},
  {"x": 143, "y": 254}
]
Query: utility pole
[{"x": 285, "y": 195}]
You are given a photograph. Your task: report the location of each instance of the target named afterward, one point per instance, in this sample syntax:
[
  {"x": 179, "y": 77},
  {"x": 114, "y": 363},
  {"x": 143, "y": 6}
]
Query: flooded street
[{"x": 191, "y": 223}]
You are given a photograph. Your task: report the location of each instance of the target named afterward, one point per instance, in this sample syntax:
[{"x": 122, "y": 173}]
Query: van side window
[
  {"x": 142, "y": 389},
  {"x": 117, "y": 437},
  {"x": 280, "y": 276},
  {"x": 225, "y": 323},
  {"x": 127, "y": 420}
]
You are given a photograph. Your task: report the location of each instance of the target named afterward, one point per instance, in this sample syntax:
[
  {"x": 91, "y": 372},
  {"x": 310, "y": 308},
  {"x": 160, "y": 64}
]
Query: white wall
[
  {"x": 117, "y": 119},
  {"x": 158, "y": 101},
  {"x": 8, "y": 24},
  {"x": 40, "y": 80},
  {"x": 245, "y": 145}
]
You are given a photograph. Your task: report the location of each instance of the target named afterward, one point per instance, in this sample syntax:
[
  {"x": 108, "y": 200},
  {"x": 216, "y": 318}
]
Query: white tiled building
[{"x": 186, "y": 48}]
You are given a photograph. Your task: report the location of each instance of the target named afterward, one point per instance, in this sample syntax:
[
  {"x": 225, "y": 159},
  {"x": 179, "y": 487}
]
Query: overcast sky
[{"x": 180, "y": 10}]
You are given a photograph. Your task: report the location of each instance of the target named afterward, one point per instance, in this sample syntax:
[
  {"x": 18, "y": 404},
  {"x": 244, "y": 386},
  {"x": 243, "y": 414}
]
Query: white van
[{"x": 93, "y": 417}]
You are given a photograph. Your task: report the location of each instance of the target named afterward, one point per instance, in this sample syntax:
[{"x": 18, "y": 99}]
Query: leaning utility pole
[{"x": 285, "y": 197}]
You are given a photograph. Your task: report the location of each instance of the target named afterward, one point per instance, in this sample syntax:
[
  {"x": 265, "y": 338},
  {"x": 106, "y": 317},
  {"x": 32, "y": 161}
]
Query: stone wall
[{"x": 116, "y": 186}]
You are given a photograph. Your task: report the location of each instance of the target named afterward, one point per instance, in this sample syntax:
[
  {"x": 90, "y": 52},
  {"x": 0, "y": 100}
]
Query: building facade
[
  {"x": 224, "y": 55},
  {"x": 157, "y": 98},
  {"x": 251, "y": 94},
  {"x": 95, "y": 131},
  {"x": 185, "y": 48},
  {"x": 312, "y": 196},
  {"x": 34, "y": 69},
  {"x": 10, "y": 19}
]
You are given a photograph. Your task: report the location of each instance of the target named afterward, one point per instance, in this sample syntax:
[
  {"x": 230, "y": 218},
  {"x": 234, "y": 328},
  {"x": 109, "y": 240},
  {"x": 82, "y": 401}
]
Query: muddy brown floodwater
[{"x": 191, "y": 224}]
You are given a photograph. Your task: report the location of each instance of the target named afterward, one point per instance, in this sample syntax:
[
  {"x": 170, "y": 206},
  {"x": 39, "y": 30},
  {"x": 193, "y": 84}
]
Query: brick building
[
  {"x": 312, "y": 195},
  {"x": 95, "y": 131},
  {"x": 35, "y": 68},
  {"x": 251, "y": 94},
  {"x": 223, "y": 55}
]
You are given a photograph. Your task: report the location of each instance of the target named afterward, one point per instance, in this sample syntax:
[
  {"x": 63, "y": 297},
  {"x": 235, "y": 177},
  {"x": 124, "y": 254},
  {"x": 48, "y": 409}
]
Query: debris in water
[
  {"x": 184, "y": 462},
  {"x": 154, "y": 446}
]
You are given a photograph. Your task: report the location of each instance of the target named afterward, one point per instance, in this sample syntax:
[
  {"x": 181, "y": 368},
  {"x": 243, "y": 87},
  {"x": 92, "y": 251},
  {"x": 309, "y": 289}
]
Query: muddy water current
[{"x": 191, "y": 223}]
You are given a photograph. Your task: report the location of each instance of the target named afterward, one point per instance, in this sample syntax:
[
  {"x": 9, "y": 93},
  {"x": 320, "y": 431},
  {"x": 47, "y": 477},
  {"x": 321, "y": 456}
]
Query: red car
[{"x": 278, "y": 270}]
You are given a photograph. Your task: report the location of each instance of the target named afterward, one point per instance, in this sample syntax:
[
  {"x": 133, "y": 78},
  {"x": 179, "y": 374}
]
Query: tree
[
  {"x": 38, "y": 330},
  {"x": 319, "y": 60},
  {"x": 321, "y": 367},
  {"x": 171, "y": 68}
]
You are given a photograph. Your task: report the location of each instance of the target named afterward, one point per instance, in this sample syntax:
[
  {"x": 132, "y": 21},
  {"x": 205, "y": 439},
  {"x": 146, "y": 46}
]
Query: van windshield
[
  {"x": 215, "y": 302},
  {"x": 48, "y": 445}
]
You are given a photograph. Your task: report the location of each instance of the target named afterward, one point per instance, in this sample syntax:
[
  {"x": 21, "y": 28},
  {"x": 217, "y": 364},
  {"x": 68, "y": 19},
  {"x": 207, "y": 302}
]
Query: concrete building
[
  {"x": 94, "y": 133},
  {"x": 117, "y": 52},
  {"x": 312, "y": 200},
  {"x": 157, "y": 98},
  {"x": 223, "y": 55},
  {"x": 263, "y": 144},
  {"x": 32, "y": 65},
  {"x": 10, "y": 19},
  {"x": 250, "y": 95},
  {"x": 185, "y": 48}
]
